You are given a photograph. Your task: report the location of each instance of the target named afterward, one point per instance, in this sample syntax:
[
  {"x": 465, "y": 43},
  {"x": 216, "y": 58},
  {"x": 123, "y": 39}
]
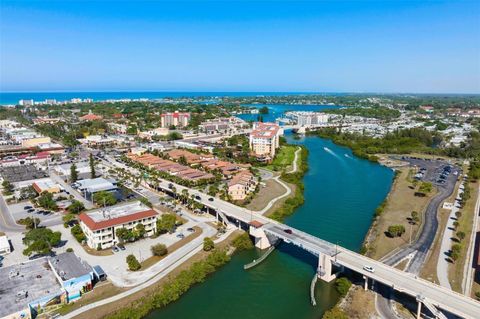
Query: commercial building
[
  {"x": 265, "y": 139},
  {"x": 94, "y": 185},
  {"x": 177, "y": 119},
  {"x": 74, "y": 275},
  {"x": 46, "y": 185},
  {"x": 98, "y": 141},
  {"x": 35, "y": 141},
  {"x": 160, "y": 131},
  {"x": 99, "y": 226},
  {"x": 83, "y": 170},
  {"x": 4, "y": 245}
]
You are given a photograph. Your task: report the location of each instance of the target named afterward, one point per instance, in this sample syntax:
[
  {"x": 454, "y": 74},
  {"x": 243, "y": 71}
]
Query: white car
[{"x": 369, "y": 269}]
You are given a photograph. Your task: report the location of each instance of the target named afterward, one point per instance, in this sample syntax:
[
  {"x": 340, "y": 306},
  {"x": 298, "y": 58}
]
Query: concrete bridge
[{"x": 266, "y": 231}]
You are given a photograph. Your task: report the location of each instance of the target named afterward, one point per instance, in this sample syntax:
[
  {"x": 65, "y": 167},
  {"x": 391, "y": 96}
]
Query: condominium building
[
  {"x": 99, "y": 226},
  {"x": 241, "y": 185},
  {"x": 265, "y": 139},
  {"x": 177, "y": 119},
  {"x": 304, "y": 118}
]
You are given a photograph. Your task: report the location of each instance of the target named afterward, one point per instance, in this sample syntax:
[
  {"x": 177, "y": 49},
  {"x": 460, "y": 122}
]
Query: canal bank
[{"x": 341, "y": 194}]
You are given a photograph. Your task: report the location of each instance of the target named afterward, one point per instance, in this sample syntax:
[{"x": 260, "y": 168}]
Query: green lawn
[{"x": 283, "y": 159}]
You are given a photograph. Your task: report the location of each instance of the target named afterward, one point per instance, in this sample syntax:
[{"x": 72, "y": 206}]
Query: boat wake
[
  {"x": 331, "y": 152},
  {"x": 347, "y": 156}
]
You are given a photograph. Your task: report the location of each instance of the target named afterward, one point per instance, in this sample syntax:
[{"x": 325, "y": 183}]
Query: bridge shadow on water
[{"x": 299, "y": 254}]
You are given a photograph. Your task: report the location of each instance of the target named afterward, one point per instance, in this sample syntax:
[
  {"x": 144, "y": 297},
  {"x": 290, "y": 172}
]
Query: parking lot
[
  {"x": 437, "y": 172},
  {"x": 26, "y": 209}
]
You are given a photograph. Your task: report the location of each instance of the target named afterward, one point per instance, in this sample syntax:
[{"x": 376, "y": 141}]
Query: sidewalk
[{"x": 448, "y": 234}]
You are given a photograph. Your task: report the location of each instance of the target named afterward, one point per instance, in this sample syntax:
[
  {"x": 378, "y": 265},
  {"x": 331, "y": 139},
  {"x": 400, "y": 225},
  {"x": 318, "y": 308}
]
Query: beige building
[
  {"x": 160, "y": 131},
  {"x": 241, "y": 185},
  {"x": 265, "y": 139},
  {"x": 35, "y": 141},
  {"x": 176, "y": 118},
  {"x": 100, "y": 226}
]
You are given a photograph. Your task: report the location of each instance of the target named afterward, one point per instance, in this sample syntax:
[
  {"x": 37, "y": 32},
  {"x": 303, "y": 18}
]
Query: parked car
[
  {"x": 180, "y": 235},
  {"x": 170, "y": 185},
  {"x": 369, "y": 268},
  {"x": 198, "y": 197},
  {"x": 211, "y": 199},
  {"x": 115, "y": 249},
  {"x": 27, "y": 207},
  {"x": 121, "y": 246},
  {"x": 191, "y": 229}
]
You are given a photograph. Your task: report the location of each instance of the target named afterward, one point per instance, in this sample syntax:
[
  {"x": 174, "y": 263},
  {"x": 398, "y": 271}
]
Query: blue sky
[{"x": 331, "y": 46}]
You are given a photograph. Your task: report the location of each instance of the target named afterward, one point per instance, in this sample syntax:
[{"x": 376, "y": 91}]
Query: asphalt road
[
  {"x": 7, "y": 223},
  {"x": 422, "y": 245}
]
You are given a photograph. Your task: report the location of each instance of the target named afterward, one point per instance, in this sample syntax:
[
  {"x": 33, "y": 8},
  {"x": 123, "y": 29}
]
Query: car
[
  {"x": 31, "y": 210},
  {"x": 288, "y": 231},
  {"x": 198, "y": 197},
  {"x": 180, "y": 235},
  {"x": 170, "y": 185},
  {"x": 191, "y": 229},
  {"x": 369, "y": 268},
  {"x": 211, "y": 199},
  {"x": 122, "y": 247},
  {"x": 27, "y": 207},
  {"x": 115, "y": 249}
]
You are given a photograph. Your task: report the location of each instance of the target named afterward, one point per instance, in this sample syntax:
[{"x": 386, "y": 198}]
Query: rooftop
[
  {"x": 68, "y": 266},
  {"x": 114, "y": 215},
  {"x": 24, "y": 283},
  {"x": 96, "y": 184}
]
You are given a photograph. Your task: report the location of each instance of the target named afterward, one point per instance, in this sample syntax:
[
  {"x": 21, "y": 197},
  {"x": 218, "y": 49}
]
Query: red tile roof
[{"x": 93, "y": 225}]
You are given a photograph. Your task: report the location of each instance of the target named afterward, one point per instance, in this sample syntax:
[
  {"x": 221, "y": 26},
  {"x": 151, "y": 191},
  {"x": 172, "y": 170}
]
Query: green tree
[
  {"x": 124, "y": 234},
  {"x": 133, "y": 263},
  {"x": 146, "y": 202},
  {"x": 263, "y": 110},
  {"x": 139, "y": 231},
  {"x": 166, "y": 223},
  {"x": 75, "y": 207},
  {"x": 458, "y": 214},
  {"x": 8, "y": 187},
  {"x": 46, "y": 201},
  {"x": 396, "y": 230},
  {"x": 335, "y": 313},
  {"x": 414, "y": 217},
  {"x": 461, "y": 235},
  {"x": 425, "y": 187},
  {"x": 92, "y": 166},
  {"x": 342, "y": 285},
  {"x": 77, "y": 232},
  {"x": 104, "y": 198},
  {"x": 29, "y": 222},
  {"x": 41, "y": 241},
  {"x": 208, "y": 244},
  {"x": 28, "y": 193},
  {"x": 183, "y": 160},
  {"x": 73, "y": 173},
  {"x": 159, "y": 250}
]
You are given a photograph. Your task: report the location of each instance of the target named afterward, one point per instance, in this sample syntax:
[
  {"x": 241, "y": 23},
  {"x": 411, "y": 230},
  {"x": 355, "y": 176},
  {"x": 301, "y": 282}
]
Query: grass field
[
  {"x": 429, "y": 269},
  {"x": 400, "y": 203},
  {"x": 455, "y": 271},
  {"x": 283, "y": 159}
]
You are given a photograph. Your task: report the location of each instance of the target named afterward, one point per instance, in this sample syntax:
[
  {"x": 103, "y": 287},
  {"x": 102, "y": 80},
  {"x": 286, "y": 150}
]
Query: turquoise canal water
[{"x": 341, "y": 194}]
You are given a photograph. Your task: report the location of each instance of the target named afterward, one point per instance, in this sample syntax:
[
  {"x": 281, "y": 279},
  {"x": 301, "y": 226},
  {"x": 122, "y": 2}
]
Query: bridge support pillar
[
  {"x": 365, "y": 284},
  {"x": 261, "y": 239},
  {"x": 324, "y": 270},
  {"x": 419, "y": 309}
]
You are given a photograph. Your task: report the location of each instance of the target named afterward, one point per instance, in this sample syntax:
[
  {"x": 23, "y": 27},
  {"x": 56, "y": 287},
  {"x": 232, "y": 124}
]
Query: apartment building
[
  {"x": 99, "y": 226},
  {"x": 265, "y": 139},
  {"x": 177, "y": 119},
  {"x": 241, "y": 185}
]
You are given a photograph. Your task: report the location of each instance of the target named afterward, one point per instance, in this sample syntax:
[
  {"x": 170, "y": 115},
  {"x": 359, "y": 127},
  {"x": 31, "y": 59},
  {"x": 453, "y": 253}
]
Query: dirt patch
[
  {"x": 271, "y": 190},
  {"x": 152, "y": 260},
  {"x": 279, "y": 203},
  {"x": 399, "y": 205},
  {"x": 359, "y": 304}
]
